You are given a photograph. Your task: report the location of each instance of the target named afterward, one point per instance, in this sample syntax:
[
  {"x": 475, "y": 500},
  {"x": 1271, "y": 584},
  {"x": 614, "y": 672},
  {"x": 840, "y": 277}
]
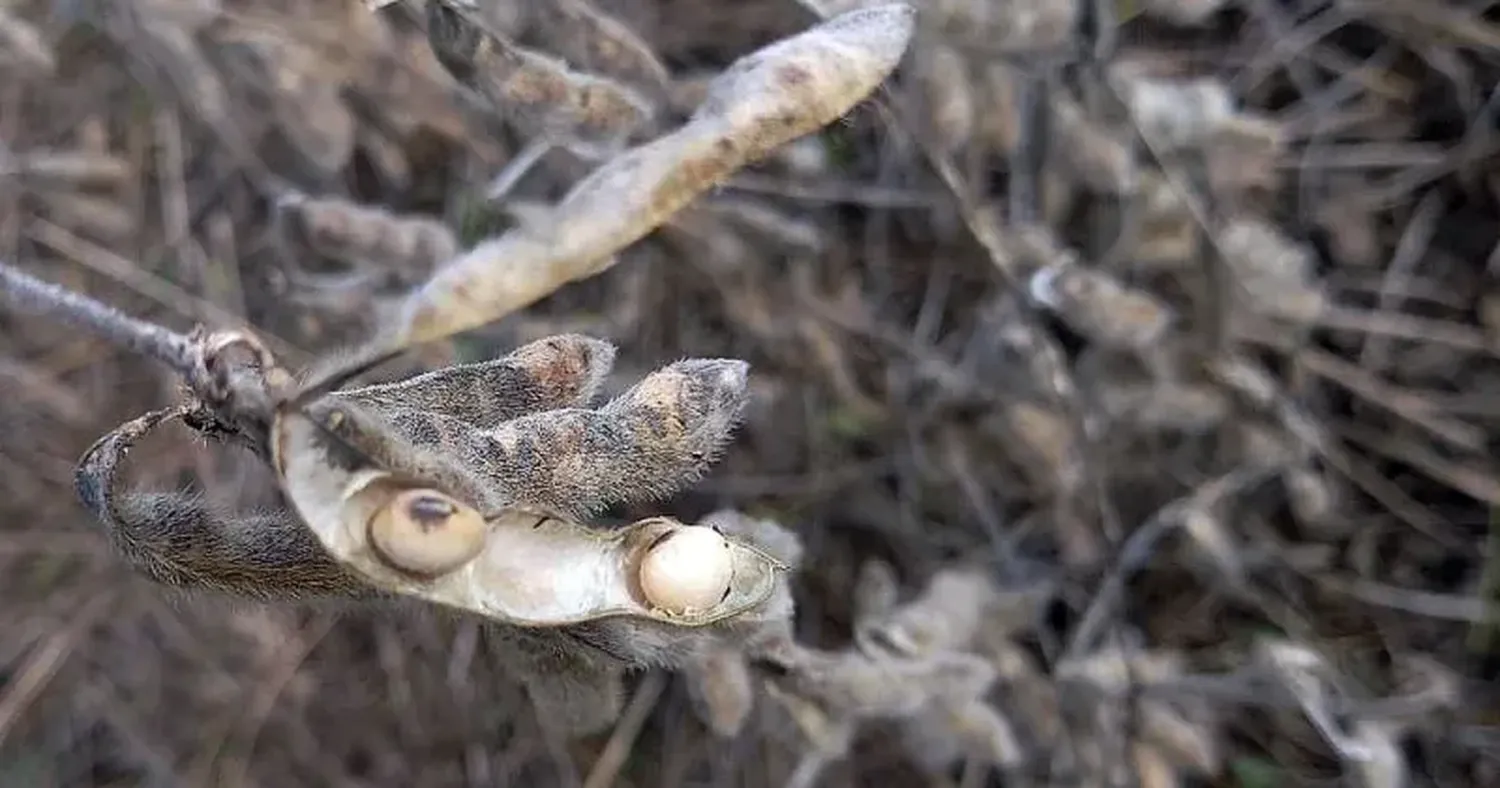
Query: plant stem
[{"x": 27, "y": 292}]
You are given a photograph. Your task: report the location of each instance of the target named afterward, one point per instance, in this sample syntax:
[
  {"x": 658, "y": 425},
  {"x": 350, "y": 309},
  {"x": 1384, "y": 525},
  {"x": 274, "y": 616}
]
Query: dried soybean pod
[
  {"x": 363, "y": 234},
  {"x": 770, "y": 97}
]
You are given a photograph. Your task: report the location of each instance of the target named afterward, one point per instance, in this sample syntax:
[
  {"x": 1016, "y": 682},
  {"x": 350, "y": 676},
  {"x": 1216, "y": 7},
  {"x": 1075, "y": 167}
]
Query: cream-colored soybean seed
[
  {"x": 687, "y": 572},
  {"x": 426, "y": 533}
]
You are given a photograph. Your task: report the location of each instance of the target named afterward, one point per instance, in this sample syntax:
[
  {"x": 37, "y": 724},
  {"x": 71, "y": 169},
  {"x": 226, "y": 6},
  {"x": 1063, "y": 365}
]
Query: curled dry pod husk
[
  {"x": 530, "y": 568},
  {"x": 769, "y": 535}
]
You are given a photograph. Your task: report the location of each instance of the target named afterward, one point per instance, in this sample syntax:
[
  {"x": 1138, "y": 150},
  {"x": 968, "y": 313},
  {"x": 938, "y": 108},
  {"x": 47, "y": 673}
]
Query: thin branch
[
  {"x": 24, "y": 291},
  {"x": 234, "y": 396}
]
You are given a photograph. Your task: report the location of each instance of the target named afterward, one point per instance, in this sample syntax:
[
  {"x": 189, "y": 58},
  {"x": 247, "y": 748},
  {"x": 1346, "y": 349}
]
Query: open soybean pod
[{"x": 386, "y": 514}]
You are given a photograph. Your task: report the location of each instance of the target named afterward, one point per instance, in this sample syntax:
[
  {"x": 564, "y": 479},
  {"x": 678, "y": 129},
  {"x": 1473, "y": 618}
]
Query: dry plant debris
[
  {"x": 760, "y": 102},
  {"x": 1111, "y": 392},
  {"x": 448, "y": 492}
]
